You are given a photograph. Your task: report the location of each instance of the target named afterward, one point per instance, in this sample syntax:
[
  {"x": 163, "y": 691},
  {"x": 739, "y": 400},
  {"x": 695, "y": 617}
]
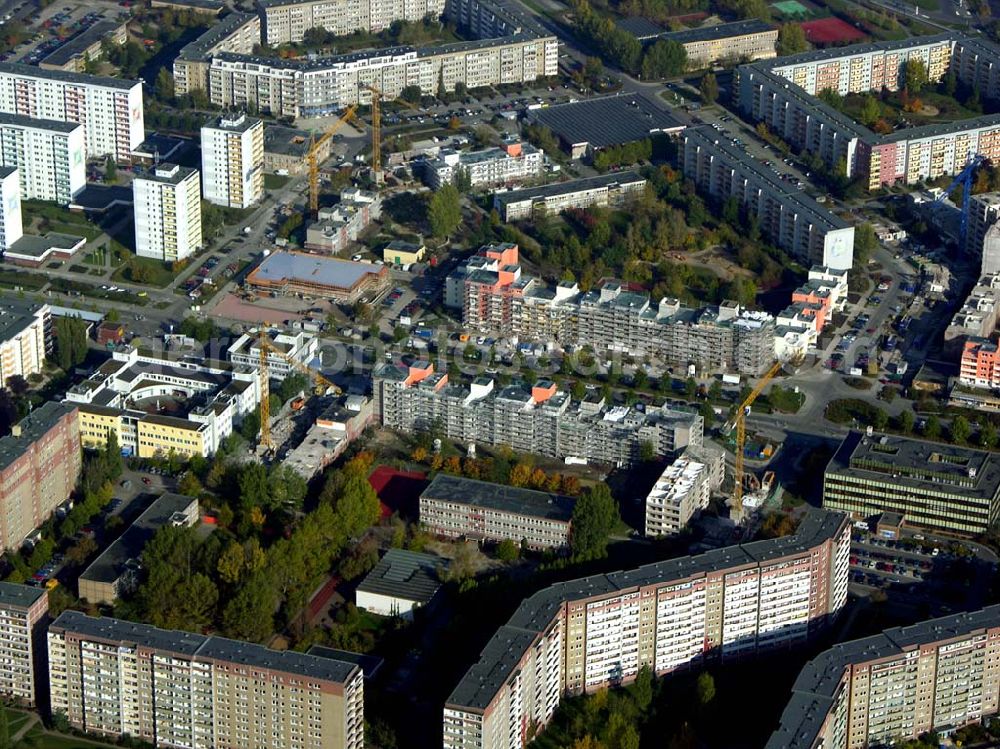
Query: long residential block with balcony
[
  {"x": 539, "y": 419},
  {"x": 935, "y": 486},
  {"x": 23, "y": 616},
  {"x": 977, "y": 317},
  {"x": 238, "y": 33},
  {"x": 184, "y": 690},
  {"x": 936, "y": 675},
  {"x": 287, "y": 22},
  {"x": 25, "y": 338},
  {"x": 604, "y": 191},
  {"x": 595, "y": 632},
  {"x": 109, "y": 109},
  {"x": 792, "y": 220},
  {"x": 458, "y": 507},
  {"x": 40, "y": 463},
  {"x": 783, "y": 94},
  {"x": 496, "y": 298},
  {"x": 510, "y": 164}
]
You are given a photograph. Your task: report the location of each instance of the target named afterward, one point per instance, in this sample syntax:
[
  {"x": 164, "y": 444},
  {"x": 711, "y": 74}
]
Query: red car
[{"x": 147, "y": 480}]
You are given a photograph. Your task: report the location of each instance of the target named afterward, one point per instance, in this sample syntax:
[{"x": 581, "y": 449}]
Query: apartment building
[
  {"x": 338, "y": 226},
  {"x": 980, "y": 364},
  {"x": 323, "y": 86},
  {"x": 604, "y": 191},
  {"x": 782, "y": 94},
  {"x": 23, "y": 616},
  {"x": 11, "y": 227},
  {"x": 178, "y": 689},
  {"x": 74, "y": 55},
  {"x": 791, "y": 219},
  {"x": 283, "y": 349},
  {"x": 458, "y": 507},
  {"x": 540, "y": 419},
  {"x": 935, "y": 486},
  {"x": 118, "y": 570},
  {"x": 287, "y": 22},
  {"x": 681, "y": 490},
  {"x": 977, "y": 317},
  {"x": 588, "y": 634},
  {"x": 984, "y": 213},
  {"x": 39, "y": 465},
  {"x": 237, "y": 33},
  {"x": 167, "y": 206},
  {"x": 47, "y": 154},
  {"x": 215, "y": 398},
  {"x": 726, "y": 42},
  {"x": 232, "y": 160},
  {"x": 496, "y": 298},
  {"x": 510, "y": 164},
  {"x": 936, "y": 675},
  {"x": 24, "y": 338},
  {"x": 110, "y": 109}
]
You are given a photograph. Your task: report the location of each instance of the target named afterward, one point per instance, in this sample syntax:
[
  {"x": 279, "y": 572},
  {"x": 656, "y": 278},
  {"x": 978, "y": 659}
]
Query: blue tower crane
[{"x": 964, "y": 178}]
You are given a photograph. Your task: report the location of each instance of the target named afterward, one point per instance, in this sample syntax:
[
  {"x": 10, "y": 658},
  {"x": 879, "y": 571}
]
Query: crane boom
[
  {"x": 312, "y": 157},
  {"x": 265, "y": 347},
  {"x": 741, "y": 432}
]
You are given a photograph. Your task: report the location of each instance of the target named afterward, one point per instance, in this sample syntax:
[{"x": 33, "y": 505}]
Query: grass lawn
[
  {"x": 87, "y": 231},
  {"x": 13, "y": 278},
  {"x": 274, "y": 181},
  {"x": 59, "y": 741},
  {"x": 151, "y": 272}
]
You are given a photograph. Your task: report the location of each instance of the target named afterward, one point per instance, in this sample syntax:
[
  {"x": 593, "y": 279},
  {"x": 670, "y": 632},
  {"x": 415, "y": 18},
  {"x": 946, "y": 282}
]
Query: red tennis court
[
  {"x": 831, "y": 31},
  {"x": 398, "y": 491}
]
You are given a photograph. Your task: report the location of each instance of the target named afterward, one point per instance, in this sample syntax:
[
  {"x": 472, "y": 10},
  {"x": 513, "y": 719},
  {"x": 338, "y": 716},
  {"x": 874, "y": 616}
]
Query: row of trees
[
  {"x": 498, "y": 470},
  {"x": 233, "y": 579},
  {"x": 70, "y": 342},
  {"x": 960, "y": 430},
  {"x": 658, "y": 60}
]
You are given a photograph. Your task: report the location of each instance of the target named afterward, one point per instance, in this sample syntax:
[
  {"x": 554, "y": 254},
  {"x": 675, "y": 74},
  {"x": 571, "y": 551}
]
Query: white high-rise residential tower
[
  {"x": 232, "y": 160},
  {"x": 167, "y": 204}
]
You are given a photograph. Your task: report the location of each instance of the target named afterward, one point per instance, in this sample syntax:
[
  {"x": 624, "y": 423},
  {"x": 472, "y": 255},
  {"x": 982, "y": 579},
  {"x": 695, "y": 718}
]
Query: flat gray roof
[
  {"x": 110, "y": 565},
  {"x": 23, "y": 596},
  {"x": 201, "y": 648},
  {"x": 79, "y": 43},
  {"x": 29, "y": 71},
  {"x": 404, "y": 574},
  {"x": 564, "y": 188},
  {"x": 640, "y": 28},
  {"x": 720, "y": 31},
  {"x": 608, "y": 121},
  {"x": 511, "y": 499},
  {"x": 34, "y": 426},
  {"x": 225, "y": 27},
  {"x": 907, "y": 462},
  {"x": 171, "y": 174},
  {"x": 317, "y": 269},
  {"x": 30, "y": 245},
  {"x": 18, "y": 120}
]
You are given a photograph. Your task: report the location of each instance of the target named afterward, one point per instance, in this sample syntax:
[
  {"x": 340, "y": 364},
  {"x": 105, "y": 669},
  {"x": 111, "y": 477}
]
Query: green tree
[
  {"x": 70, "y": 342},
  {"x": 664, "y": 59},
  {"x": 444, "y": 213},
  {"x": 249, "y": 615},
  {"x": 412, "y": 94},
  {"x": 231, "y": 563},
  {"x": 906, "y": 420},
  {"x": 250, "y": 427},
  {"x": 594, "y": 517},
  {"x": 880, "y": 420},
  {"x": 791, "y": 39},
  {"x": 865, "y": 243},
  {"x": 286, "y": 488},
  {"x": 960, "y": 430},
  {"x": 254, "y": 488},
  {"x": 914, "y": 76},
  {"x": 110, "y": 171},
  {"x": 988, "y": 436},
  {"x": 705, "y": 688},
  {"x": 164, "y": 87},
  {"x": 870, "y": 111},
  {"x": 508, "y": 551},
  {"x": 709, "y": 88},
  {"x": 932, "y": 428}
]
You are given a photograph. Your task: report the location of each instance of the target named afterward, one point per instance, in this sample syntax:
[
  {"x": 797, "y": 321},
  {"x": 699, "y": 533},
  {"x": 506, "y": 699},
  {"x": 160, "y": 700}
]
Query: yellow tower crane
[
  {"x": 312, "y": 156},
  {"x": 377, "y": 126},
  {"x": 739, "y": 421},
  {"x": 322, "y": 385}
]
